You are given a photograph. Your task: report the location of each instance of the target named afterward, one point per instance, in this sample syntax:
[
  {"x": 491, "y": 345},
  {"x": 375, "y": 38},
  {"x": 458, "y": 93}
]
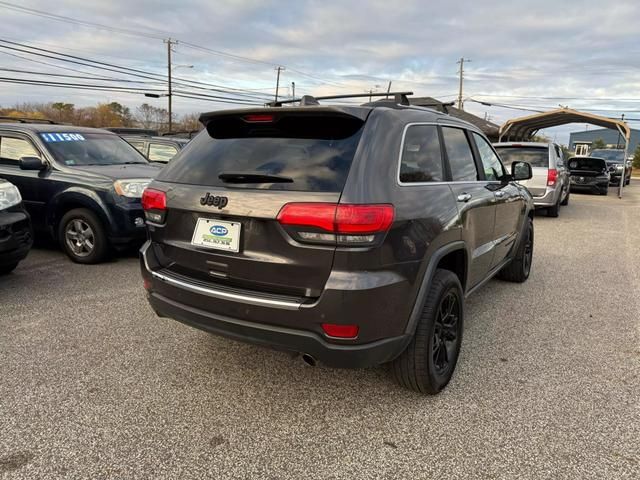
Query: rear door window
[
  {"x": 461, "y": 162},
  {"x": 312, "y": 153},
  {"x": 421, "y": 159},
  {"x": 536, "y": 156}
]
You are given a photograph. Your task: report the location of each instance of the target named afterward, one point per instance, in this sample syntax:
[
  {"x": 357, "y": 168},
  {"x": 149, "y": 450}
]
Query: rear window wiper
[{"x": 253, "y": 177}]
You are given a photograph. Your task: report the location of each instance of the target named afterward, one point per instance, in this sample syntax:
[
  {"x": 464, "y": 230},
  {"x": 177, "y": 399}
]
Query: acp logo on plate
[{"x": 219, "y": 230}]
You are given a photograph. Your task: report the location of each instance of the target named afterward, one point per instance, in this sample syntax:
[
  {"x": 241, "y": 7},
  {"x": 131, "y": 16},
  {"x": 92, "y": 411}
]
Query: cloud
[{"x": 519, "y": 48}]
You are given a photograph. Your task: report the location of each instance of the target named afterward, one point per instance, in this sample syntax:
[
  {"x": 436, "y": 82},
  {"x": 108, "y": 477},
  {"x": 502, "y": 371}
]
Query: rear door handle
[
  {"x": 499, "y": 194},
  {"x": 464, "y": 197}
]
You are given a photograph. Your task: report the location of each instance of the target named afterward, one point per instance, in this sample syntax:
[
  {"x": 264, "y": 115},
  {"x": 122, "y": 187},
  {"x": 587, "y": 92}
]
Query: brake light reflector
[
  {"x": 340, "y": 331},
  {"x": 258, "y": 118},
  {"x": 338, "y": 218},
  {"x": 552, "y": 177}
]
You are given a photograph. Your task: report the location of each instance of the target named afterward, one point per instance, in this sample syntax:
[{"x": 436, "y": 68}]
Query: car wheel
[
  {"x": 604, "y": 191},
  {"x": 4, "y": 269},
  {"x": 555, "y": 210},
  {"x": 628, "y": 181},
  {"x": 82, "y": 236},
  {"x": 519, "y": 268},
  {"x": 428, "y": 363},
  {"x": 566, "y": 198}
]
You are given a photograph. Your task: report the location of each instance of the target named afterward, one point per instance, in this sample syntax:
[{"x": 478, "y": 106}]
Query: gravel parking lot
[{"x": 93, "y": 385}]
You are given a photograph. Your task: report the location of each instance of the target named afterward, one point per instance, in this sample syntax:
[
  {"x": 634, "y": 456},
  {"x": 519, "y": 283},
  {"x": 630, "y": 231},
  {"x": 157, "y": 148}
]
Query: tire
[
  {"x": 519, "y": 268},
  {"x": 5, "y": 269},
  {"x": 604, "y": 192},
  {"x": 82, "y": 224},
  {"x": 628, "y": 181},
  {"x": 428, "y": 363},
  {"x": 565, "y": 202},
  {"x": 555, "y": 210}
]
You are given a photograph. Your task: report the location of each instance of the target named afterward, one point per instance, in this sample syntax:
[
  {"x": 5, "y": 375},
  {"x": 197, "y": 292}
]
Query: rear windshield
[
  {"x": 309, "y": 157},
  {"x": 536, "y": 156},
  {"x": 594, "y": 164},
  {"x": 91, "y": 149}
]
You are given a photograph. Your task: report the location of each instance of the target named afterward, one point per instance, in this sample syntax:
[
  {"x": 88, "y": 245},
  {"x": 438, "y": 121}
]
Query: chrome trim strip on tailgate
[{"x": 220, "y": 294}]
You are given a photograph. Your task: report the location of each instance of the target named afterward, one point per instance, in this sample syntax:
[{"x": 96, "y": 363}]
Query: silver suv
[{"x": 550, "y": 183}]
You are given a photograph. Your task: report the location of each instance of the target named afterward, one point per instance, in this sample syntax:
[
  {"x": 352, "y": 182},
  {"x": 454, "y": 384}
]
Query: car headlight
[
  {"x": 9, "y": 195},
  {"x": 131, "y": 188}
]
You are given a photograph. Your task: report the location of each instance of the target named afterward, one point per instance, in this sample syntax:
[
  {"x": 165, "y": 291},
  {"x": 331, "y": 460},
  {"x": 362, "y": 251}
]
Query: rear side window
[
  {"x": 463, "y": 167},
  {"x": 536, "y": 156},
  {"x": 313, "y": 153},
  {"x": 421, "y": 159},
  {"x": 159, "y": 152}
]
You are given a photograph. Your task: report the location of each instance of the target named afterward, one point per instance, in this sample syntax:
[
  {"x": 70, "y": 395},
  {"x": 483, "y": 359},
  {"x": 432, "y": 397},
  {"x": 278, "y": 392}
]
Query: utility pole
[
  {"x": 169, "y": 43},
  {"x": 461, "y": 62},
  {"x": 388, "y": 89},
  {"x": 293, "y": 90},
  {"x": 279, "y": 69}
]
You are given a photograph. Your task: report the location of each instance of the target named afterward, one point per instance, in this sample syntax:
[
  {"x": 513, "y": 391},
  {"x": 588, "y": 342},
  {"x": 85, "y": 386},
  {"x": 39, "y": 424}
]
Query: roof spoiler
[{"x": 398, "y": 97}]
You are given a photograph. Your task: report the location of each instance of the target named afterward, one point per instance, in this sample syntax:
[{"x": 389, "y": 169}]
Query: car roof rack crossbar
[
  {"x": 28, "y": 120},
  {"x": 399, "y": 97}
]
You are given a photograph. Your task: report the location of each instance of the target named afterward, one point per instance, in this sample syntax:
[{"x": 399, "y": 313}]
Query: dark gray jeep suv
[{"x": 349, "y": 234}]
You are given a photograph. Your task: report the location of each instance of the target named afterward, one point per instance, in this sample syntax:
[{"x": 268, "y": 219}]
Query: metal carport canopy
[{"x": 523, "y": 128}]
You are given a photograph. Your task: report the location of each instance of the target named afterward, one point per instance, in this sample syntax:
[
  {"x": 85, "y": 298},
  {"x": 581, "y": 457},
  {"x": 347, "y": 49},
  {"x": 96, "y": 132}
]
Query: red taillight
[
  {"x": 552, "y": 176},
  {"x": 146, "y": 284},
  {"x": 258, "y": 118},
  {"x": 154, "y": 203},
  {"x": 154, "y": 199},
  {"x": 340, "y": 331},
  {"x": 340, "y": 219}
]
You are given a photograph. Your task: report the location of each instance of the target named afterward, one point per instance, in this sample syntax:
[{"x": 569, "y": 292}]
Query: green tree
[
  {"x": 636, "y": 157},
  {"x": 598, "y": 143}
]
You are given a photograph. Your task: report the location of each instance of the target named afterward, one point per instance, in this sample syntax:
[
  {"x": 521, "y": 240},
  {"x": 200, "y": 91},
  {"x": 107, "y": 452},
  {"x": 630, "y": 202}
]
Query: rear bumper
[
  {"x": 281, "y": 338},
  {"x": 289, "y": 324},
  {"x": 549, "y": 199},
  {"x": 16, "y": 237}
]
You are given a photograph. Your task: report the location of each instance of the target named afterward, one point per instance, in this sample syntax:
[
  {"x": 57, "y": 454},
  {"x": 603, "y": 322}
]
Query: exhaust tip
[{"x": 309, "y": 359}]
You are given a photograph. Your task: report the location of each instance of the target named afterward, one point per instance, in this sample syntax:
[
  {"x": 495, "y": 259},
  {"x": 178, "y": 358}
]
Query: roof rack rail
[
  {"x": 28, "y": 120},
  {"x": 398, "y": 97},
  {"x": 132, "y": 131}
]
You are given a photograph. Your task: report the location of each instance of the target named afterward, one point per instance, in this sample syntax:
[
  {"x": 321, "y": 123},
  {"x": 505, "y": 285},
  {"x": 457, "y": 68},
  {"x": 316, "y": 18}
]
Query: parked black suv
[
  {"x": 350, "y": 234},
  {"x": 589, "y": 174},
  {"x": 81, "y": 186},
  {"x": 15, "y": 228}
]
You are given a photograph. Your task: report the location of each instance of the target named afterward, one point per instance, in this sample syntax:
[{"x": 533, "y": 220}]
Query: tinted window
[
  {"x": 536, "y": 156},
  {"x": 608, "y": 154},
  {"x": 421, "y": 157},
  {"x": 493, "y": 169},
  {"x": 594, "y": 164},
  {"x": 161, "y": 153},
  {"x": 463, "y": 168},
  {"x": 90, "y": 149},
  {"x": 14, "y": 148},
  {"x": 313, "y": 164}
]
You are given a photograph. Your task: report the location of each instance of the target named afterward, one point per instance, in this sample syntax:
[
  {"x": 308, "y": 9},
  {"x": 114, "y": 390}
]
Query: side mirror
[
  {"x": 612, "y": 169},
  {"x": 32, "y": 163},
  {"x": 521, "y": 171}
]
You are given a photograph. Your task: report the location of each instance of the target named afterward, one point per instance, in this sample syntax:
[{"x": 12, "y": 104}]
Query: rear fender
[{"x": 428, "y": 276}]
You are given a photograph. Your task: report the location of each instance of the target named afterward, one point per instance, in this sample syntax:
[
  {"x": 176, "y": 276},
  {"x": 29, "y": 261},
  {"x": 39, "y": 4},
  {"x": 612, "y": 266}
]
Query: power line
[
  {"x": 558, "y": 98},
  {"x": 51, "y": 54}
]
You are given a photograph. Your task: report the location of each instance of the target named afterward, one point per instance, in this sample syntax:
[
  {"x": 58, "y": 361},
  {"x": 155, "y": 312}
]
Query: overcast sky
[{"x": 584, "y": 54}]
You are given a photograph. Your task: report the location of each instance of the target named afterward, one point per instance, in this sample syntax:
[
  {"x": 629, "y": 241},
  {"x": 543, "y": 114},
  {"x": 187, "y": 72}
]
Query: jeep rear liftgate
[{"x": 255, "y": 204}]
